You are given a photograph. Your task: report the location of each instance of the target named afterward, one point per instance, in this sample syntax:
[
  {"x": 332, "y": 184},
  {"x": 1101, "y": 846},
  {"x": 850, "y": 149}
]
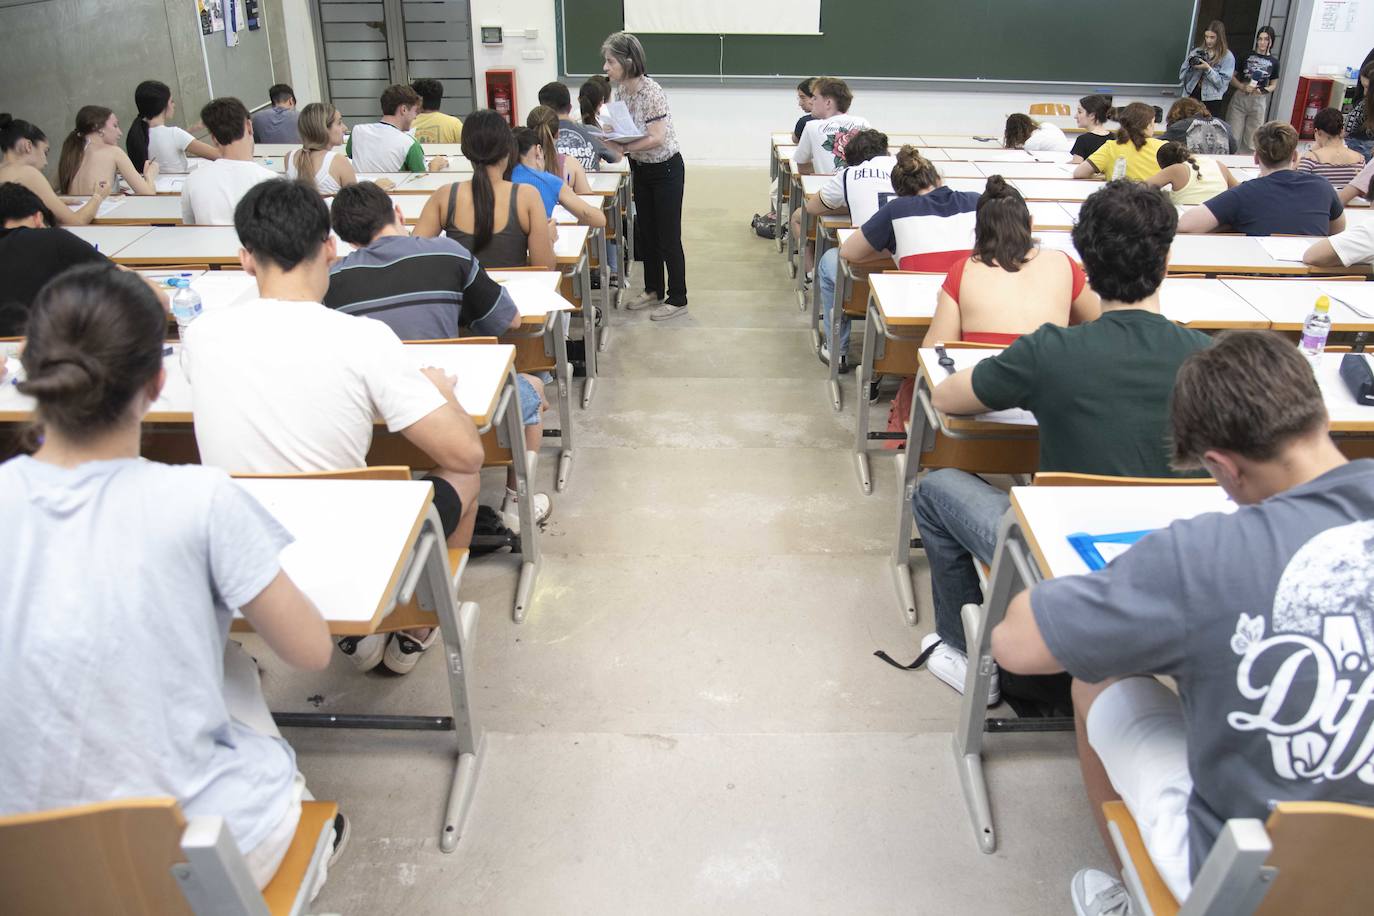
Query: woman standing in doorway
[
  {"x": 1207, "y": 71},
  {"x": 659, "y": 177},
  {"x": 1254, "y": 82}
]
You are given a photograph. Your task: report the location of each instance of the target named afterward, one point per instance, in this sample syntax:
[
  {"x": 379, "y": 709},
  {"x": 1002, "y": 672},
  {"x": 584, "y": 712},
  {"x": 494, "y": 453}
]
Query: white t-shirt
[
  {"x": 167, "y": 147},
  {"x": 862, "y": 188},
  {"x": 281, "y": 386},
  {"x": 117, "y": 580},
  {"x": 1047, "y": 137},
  {"x": 379, "y": 147},
  {"x": 1356, "y": 244},
  {"x": 211, "y": 192},
  {"x": 817, "y": 144}
]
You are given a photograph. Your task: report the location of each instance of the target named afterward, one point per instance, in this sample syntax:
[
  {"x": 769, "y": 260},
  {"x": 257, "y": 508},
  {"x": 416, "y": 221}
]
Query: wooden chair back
[
  {"x": 1050, "y": 110},
  {"x": 112, "y": 857},
  {"x": 1068, "y": 479},
  {"x": 376, "y": 472}
]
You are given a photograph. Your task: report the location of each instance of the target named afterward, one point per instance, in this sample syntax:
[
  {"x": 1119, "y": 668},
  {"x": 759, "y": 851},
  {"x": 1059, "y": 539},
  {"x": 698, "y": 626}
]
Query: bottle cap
[{"x": 1323, "y": 304}]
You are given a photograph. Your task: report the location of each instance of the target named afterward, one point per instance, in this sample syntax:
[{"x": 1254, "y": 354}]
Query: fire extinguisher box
[
  {"x": 501, "y": 94},
  {"x": 1314, "y": 94}
]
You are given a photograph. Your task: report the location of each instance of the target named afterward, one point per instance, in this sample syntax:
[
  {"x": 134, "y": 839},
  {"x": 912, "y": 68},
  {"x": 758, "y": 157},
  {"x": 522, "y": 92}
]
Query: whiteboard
[{"x": 724, "y": 17}]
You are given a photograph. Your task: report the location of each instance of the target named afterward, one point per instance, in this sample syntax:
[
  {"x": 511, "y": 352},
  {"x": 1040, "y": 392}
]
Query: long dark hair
[
  {"x": 1367, "y": 72},
  {"x": 89, "y": 119},
  {"x": 12, "y": 130},
  {"x": 1134, "y": 118},
  {"x": 1018, "y": 130},
  {"x": 1098, "y": 107},
  {"x": 1002, "y": 232},
  {"x": 150, "y": 98},
  {"x": 487, "y": 140},
  {"x": 1174, "y": 152},
  {"x": 94, "y": 339},
  {"x": 589, "y": 100}
]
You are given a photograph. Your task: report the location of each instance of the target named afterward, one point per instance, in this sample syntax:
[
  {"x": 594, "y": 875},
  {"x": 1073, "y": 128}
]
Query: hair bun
[
  {"x": 63, "y": 376},
  {"x": 6, "y": 119},
  {"x": 995, "y": 187}
]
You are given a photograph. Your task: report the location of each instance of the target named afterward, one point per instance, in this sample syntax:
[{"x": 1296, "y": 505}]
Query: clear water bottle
[
  {"x": 1315, "y": 330},
  {"x": 1119, "y": 170},
  {"x": 185, "y": 303}
]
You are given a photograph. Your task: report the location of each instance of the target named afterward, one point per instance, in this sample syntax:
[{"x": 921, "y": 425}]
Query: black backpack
[{"x": 491, "y": 534}]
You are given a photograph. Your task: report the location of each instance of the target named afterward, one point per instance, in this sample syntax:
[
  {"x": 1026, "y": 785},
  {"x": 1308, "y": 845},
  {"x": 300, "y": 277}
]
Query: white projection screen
[{"x": 724, "y": 17}]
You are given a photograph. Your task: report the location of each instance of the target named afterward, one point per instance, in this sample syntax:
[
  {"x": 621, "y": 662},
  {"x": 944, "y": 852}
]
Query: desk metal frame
[{"x": 876, "y": 335}]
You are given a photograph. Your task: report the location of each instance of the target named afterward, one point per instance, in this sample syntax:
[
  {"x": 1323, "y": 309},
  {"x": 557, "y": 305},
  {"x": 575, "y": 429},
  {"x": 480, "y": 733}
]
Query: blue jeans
[
  {"x": 826, "y": 272},
  {"x": 957, "y": 515},
  {"x": 529, "y": 400}
]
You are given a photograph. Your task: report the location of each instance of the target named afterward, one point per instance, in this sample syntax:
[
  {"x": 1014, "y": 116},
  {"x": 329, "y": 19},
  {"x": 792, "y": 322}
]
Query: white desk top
[
  {"x": 1236, "y": 160},
  {"x": 550, "y": 279},
  {"x": 451, "y": 150},
  {"x": 572, "y": 241},
  {"x": 159, "y": 208},
  {"x": 967, "y": 359},
  {"x": 936, "y": 155},
  {"x": 457, "y": 165},
  {"x": 1056, "y": 188},
  {"x": 781, "y": 138},
  {"x": 274, "y": 149},
  {"x": 109, "y": 240},
  {"x": 1346, "y": 414},
  {"x": 352, "y": 541},
  {"x": 218, "y": 244},
  {"x": 169, "y": 184},
  {"x": 906, "y": 299},
  {"x": 1025, "y": 169},
  {"x": 1206, "y": 303},
  {"x": 1051, "y": 155},
  {"x": 1051, "y": 514},
  {"x": 621, "y": 167},
  {"x": 975, "y": 185},
  {"x": 1050, "y": 214},
  {"x": 986, "y": 154},
  {"x": 605, "y": 182},
  {"x": 563, "y": 217},
  {"x": 481, "y": 371},
  {"x": 963, "y": 141},
  {"x": 535, "y": 294},
  {"x": 1215, "y": 251},
  {"x": 1286, "y": 303},
  {"x": 950, "y": 169},
  {"x": 398, "y": 179},
  {"x": 411, "y": 205},
  {"x": 430, "y": 181},
  {"x": 217, "y": 288},
  {"x": 1358, "y": 216},
  {"x": 812, "y": 184}
]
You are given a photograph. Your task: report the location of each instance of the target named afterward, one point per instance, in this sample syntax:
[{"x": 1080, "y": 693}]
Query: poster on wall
[
  {"x": 211, "y": 16},
  {"x": 236, "y": 19}
]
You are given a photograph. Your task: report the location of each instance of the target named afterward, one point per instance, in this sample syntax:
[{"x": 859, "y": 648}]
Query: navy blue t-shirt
[{"x": 1286, "y": 202}]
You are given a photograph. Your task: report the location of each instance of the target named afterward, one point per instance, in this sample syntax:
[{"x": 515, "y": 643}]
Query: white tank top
[{"x": 325, "y": 183}]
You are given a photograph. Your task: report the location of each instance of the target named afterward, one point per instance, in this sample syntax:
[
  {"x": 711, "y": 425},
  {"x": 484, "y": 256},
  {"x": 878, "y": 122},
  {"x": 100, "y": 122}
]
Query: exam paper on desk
[
  {"x": 967, "y": 359},
  {"x": 1285, "y": 249},
  {"x": 107, "y": 206}
]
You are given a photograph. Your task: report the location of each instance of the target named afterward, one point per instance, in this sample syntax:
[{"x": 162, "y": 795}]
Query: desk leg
[
  {"x": 861, "y": 399},
  {"x": 563, "y": 379},
  {"x": 529, "y": 532},
  {"x": 821, "y": 247},
  {"x": 783, "y": 179},
  {"x": 919, "y": 435},
  {"x": 793, "y": 245},
  {"x": 1010, "y": 573},
  {"x": 842, "y": 280},
  {"x": 589, "y": 335},
  {"x": 603, "y": 274},
  {"x": 801, "y": 255},
  {"x": 631, "y": 218}
]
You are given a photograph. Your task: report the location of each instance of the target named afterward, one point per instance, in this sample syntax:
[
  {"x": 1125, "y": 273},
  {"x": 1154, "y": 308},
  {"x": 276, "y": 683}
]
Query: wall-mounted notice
[
  {"x": 724, "y": 17},
  {"x": 1337, "y": 15},
  {"x": 211, "y": 16}
]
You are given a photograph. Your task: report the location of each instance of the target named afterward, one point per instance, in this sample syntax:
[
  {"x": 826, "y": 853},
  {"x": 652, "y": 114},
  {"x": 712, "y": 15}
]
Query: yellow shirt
[
  {"x": 437, "y": 127},
  {"x": 1140, "y": 163}
]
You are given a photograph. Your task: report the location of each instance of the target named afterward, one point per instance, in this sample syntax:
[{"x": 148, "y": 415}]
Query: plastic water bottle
[
  {"x": 1315, "y": 329},
  {"x": 186, "y": 303},
  {"x": 1119, "y": 170}
]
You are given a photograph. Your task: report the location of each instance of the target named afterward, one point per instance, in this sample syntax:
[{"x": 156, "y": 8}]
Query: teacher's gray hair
[{"x": 627, "y": 51}]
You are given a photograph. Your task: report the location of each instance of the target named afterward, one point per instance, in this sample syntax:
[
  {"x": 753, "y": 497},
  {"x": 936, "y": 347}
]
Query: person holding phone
[
  {"x": 1207, "y": 71},
  {"x": 1254, "y": 81}
]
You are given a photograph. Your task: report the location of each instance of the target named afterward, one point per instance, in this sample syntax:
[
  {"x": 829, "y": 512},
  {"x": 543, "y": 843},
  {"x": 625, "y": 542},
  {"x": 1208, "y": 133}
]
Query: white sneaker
[
  {"x": 663, "y": 313},
  {"x": 644, "y": 300},
  {"x": 510, "y": 510},
  {"x": 404, "y": 650},
  {"x": 1097, "y": 893},
  {"x": 951, "y": 666},
  {"x": 364, "y": 651}
]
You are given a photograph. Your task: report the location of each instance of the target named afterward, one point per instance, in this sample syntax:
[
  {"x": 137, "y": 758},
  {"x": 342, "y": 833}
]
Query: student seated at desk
[
  {"x": 1247, "y": 612},
  {"x": 1132, "y": 153},
  {"x": 1359, "y": 121},
  {"x": 152, "y": 138},
  {"x": 426, "y": 289},
  {"x": 858, "y": 188},
  {"x": 532, "y": 151},
  {"x": 282, "y": 383},
  {"x": 543, "y": 120},
  {"x": 31, "y": 254},
  {"x": 1024, "y": 132},
  {"x": 1092, "y": 114},
  {"x": 1358, "y": 187},
  {"x": 1009, "y": 286},
  {"x": 591, "y": 98},
  {"x": 1344, "y": 249},
  {"x": 278, "y": 124},
  {"x": 1329, "y": 157},
  {"x": 321, "y": 127},
  {"x": 804, "y": 102},
  {"x": 24, "y": 156},
  {"x": 432, "y": 125},
  {"x": 1190, "y": 123},
  {"x": 823, "y": 139},
  {"x": 574, "y": 139},
  {"x": 121, "y": 576},
  {"x": 1099, "y": 392},
  {"x": 211, "y": 192},
  {"x": 387, "y": 145},
  {"x": 91, "y": 158},
  {"x": 502, "y": 224},
  {"x": 1189, "y": 178},
  {"x": 1282, "y": 201}
]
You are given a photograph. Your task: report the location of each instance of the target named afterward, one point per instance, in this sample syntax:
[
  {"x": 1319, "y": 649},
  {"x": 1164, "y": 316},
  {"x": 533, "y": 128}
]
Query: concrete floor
[{"x": 691, "y": 720}]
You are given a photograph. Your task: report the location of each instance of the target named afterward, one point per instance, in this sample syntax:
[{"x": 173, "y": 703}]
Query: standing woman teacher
[
  {"x": 1206, "y": 73},
  {"x": 659, "y": 177}
]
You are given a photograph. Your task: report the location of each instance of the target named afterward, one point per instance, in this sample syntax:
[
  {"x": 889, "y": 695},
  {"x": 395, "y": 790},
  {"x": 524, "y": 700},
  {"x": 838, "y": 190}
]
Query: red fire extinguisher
[
  {"x": 1316, "y": 100},
  {"x": 501, "y": 100}
]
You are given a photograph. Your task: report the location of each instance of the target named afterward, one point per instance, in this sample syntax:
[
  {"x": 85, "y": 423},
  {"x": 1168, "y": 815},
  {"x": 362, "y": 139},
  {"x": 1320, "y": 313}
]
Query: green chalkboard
[{"x": 1090, "y": 42}]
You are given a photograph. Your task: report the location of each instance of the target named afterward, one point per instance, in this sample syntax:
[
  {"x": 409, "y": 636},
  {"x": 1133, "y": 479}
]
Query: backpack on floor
[
  {"x": 490, "y": 534},
  {"x": 765, "y": 226}
]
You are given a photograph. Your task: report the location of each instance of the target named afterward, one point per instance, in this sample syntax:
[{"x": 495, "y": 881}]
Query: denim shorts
[{"x": 529, "y": 400}]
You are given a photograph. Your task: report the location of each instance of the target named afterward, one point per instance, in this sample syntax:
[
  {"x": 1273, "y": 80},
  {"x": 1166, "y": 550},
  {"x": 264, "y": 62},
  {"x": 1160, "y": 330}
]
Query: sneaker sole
[
  {"x": 398, "y": 662},
  {"x": 367, "y": 662},
  {"x": 669, "y": 317},
  {"x": 994, "y": 696}
]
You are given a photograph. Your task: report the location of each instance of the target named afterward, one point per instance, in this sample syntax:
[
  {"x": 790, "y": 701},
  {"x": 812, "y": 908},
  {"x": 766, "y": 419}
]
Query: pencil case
[{"x": 1358, "y": 377}]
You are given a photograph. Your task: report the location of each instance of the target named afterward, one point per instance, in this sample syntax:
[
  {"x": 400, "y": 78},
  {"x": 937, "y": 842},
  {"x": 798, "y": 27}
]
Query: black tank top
[{"x": 507, "y": 248}]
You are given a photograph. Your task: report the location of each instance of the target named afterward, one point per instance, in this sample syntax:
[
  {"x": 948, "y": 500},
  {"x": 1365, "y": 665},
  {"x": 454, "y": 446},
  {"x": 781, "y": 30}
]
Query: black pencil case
[{"x": 1358, "y": 377}]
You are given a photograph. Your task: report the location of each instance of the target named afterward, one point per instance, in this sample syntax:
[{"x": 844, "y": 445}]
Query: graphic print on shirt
[
  {"x": 835, "y": 144},
  {"x": 1309, "y": 684}
]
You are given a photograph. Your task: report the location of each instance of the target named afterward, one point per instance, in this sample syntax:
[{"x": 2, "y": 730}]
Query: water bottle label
[
  {"x": 1119, "y": 171},
  {"x": 1313, "y": 342}
]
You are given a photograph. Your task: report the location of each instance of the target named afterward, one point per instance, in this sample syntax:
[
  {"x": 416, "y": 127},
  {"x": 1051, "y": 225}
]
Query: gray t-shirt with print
[
  {"x": 1265, "y": 617},
  {"x": 577, "y": 141}
]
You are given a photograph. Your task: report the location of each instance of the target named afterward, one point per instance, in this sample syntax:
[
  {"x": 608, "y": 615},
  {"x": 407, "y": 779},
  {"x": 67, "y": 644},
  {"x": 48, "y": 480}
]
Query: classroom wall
[
  {"x": 303, "y": 66},
  {"x": 1317, "y": 49},
  {"x": 61, "y": 54}
]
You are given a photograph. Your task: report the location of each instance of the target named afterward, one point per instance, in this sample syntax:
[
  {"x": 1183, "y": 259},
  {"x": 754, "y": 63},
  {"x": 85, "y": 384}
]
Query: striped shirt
[
  {"x": 1338, "y": 175},
  {"x": 928, "y": 232},
  {"x": 422, "y": 288}
]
